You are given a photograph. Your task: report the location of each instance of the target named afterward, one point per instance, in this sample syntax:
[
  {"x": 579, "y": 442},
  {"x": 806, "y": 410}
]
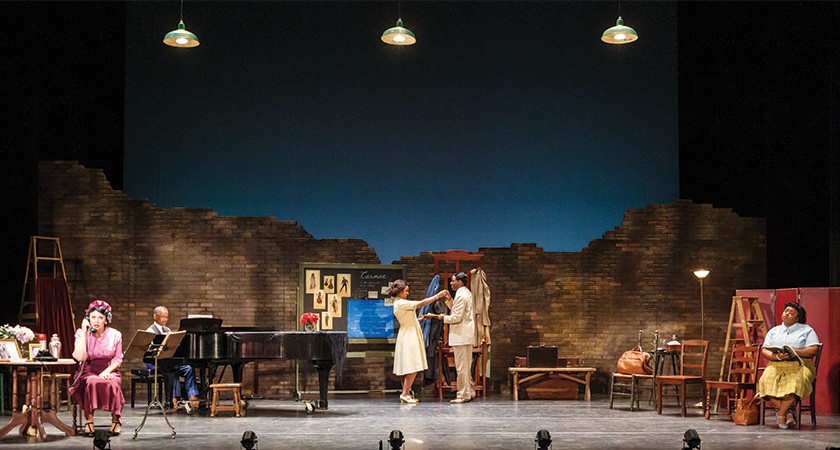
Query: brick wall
[{"x": 591, "y": 303}]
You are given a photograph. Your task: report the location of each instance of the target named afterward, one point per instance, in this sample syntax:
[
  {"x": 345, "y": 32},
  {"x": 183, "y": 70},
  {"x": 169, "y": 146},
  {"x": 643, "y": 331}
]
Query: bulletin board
[{"x": 349, "y": 297}]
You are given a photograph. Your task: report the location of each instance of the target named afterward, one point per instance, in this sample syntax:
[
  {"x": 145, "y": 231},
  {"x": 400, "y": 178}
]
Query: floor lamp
[{"x": 700, "y": 274}]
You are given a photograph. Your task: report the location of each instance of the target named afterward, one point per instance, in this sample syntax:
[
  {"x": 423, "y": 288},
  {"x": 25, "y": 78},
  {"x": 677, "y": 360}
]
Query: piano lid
[{"x": 200, "y": 325}]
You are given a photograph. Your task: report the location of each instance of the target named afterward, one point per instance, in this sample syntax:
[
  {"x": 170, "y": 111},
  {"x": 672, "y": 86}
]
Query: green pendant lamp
[
  {"x": 619, "y": 34},
  {"x": 180, "y": 37},
  {"x": 398, "y": 35}
]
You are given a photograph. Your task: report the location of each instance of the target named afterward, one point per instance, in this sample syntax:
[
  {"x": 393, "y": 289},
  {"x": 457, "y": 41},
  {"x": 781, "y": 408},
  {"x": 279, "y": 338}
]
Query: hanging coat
[
  {"x": 481, "y": 305},
  {"x": 432, "y": 329}
]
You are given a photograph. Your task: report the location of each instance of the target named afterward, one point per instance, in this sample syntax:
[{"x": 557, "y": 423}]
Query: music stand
[{"x": 143, "y": 345}]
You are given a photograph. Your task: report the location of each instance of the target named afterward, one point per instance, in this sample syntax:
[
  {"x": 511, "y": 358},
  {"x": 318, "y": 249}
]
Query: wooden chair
[
  {"x": 631, "y": 385},
  {"x": 810, "y": 407},
  {"x": 692, "y": 372},
  {"x": 447, "y": 379},
  {"x": 740, "y": 378}
]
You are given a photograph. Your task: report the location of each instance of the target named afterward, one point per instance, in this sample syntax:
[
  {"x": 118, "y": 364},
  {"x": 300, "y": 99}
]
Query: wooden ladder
[
  {"x": 44, "y": 260},
  {"x": 749, "y": 322}
]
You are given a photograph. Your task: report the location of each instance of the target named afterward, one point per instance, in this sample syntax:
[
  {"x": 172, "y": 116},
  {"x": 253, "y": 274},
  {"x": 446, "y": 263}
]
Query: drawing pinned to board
[
  {"x": 319, "y": 300},
  {"x": 344, "y": 285},
  {"x": 326, "y": 321},
  {"x": 329, "y": 284},
  {"x": 335, "y": 305},
  {"x": 313, "y": 281}
]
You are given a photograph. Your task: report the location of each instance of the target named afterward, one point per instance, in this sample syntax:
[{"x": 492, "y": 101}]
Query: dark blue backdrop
[{"x": 506, "y": 122}]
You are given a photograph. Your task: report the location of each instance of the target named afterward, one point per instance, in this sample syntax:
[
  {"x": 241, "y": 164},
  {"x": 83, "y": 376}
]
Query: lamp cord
[{"x": 182, "y": 10}]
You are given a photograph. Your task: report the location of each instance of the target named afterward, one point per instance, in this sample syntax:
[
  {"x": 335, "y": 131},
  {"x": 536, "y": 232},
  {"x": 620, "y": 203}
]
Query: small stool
[
  {"x": 146, "y": 376},
  {"x": 236, "y": 407}
]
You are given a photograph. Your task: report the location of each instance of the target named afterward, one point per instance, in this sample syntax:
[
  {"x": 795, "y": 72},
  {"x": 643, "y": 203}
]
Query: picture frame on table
[
  {"x": 34, "y": 349},
  {"x": 10, "y": 350}
]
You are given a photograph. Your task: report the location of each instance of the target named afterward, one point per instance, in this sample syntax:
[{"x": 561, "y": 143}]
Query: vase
[{"x": 309, "y": 327}]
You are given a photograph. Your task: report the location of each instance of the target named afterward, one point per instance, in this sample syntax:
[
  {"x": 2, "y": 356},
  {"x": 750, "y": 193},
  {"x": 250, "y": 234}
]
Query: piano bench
[
  {"x": 236, "y": 407},
  {"x": 146, "y": 376}
]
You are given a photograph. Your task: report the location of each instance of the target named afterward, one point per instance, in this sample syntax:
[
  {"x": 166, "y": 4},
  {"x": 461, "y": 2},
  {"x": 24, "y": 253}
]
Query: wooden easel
[
  {"x": 446, "y": 355},
  {"x": 143, "y": 345}
]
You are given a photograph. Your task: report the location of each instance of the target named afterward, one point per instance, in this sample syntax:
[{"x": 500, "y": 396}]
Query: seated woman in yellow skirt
[{"x": 785, "y": 379}]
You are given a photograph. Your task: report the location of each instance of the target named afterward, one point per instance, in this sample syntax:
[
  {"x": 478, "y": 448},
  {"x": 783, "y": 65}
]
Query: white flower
[{"x": 24, "y": 334}]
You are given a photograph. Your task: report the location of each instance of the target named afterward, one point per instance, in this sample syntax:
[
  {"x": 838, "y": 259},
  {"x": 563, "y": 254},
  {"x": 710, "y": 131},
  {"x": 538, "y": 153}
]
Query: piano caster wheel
[
  {"x": 310, "y": 407},
  {"x": 188, "y": 408}
]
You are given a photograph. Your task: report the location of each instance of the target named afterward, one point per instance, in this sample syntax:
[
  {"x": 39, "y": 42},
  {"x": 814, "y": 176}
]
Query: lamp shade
[
  {"x": 398, "y": 35},
  {"x": 701, "y": 273},
  {"x": 619, "y": 34},
  {"x": 181, "y": 37}
]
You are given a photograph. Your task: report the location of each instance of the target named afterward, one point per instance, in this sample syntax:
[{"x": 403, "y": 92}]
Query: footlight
[
  {"x": 543, "y": 440},
  {"x": 249, "y": 440},
  {"x": 691, "y": 440},
  {"x": 102, "y": 439},
  {"x": 396, "y": 440}
]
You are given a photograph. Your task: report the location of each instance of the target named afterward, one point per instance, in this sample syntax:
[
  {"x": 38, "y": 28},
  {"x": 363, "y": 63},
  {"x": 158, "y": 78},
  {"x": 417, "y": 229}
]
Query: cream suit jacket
[{"x": 460, "y": 318}]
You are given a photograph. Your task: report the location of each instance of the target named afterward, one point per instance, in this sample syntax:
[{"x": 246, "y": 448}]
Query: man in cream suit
[{"x": 461, "y": 334}]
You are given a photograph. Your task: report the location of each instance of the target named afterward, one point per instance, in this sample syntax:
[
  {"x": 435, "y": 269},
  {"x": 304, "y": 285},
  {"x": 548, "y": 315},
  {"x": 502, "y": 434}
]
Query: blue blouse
[{"x": 798, "y": 335}]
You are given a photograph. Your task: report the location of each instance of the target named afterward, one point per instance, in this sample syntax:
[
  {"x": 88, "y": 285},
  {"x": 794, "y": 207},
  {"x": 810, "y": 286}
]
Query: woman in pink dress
[{"x": 98, "y": 348}]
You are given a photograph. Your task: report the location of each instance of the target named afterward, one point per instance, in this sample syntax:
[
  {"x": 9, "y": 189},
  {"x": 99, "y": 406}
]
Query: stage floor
[{"x": 360, "y": 422}]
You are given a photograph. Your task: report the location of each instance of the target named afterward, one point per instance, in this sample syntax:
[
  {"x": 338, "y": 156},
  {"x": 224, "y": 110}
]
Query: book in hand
[{"x": 786, "y": 349}]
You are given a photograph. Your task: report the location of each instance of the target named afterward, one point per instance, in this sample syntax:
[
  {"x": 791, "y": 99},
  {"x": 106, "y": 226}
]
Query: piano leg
[
  {"x": 323, "y": 367},
  {"x": 237, "y": 368}
]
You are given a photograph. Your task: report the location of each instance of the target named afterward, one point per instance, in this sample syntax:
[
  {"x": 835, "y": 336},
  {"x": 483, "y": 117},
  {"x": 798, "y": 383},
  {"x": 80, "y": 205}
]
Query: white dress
[{"x": 410, "y": 351}]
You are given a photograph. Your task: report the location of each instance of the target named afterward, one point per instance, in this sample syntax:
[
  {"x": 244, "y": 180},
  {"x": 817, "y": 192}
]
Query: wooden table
[
  {"x": 32, "y": 415},
  {"x": 581, "y": 375}
]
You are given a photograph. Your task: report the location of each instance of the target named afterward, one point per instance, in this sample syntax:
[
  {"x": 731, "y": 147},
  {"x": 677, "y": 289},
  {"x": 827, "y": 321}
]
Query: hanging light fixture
[
  {"x": 180, "y": 37},
  {"x": 619, "y": 34},
  {"x": 398, "y": 35}
]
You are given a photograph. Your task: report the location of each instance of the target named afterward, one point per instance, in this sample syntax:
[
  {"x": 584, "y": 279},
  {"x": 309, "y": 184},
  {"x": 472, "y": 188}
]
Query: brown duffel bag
[
  {"x": 746, "y": 412},
  {"x": 635, "y": 361}
]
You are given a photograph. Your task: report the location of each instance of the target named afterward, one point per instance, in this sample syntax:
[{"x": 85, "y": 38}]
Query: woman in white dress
[{"x": 410, "y": 351}]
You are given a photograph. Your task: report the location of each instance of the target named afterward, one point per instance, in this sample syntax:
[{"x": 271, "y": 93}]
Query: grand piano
[{"x": 208, "y": 346}]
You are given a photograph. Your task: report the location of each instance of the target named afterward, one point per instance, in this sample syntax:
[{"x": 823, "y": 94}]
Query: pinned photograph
[
  {"x": 343, "y": 288},
  {"x": 334, "y": 302},
  {"x": 326, "y": 321},
  {"x": 312, "y": 278},
  {"x": 319, "y": 300},
  {"x": 329, "y": 284}
]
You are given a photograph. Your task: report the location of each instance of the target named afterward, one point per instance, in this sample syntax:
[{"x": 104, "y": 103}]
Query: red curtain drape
[{"x": 54, "y": 313}]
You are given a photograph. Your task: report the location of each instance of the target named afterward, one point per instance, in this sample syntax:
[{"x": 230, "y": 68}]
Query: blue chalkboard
[{"x": 369, "y": 319}]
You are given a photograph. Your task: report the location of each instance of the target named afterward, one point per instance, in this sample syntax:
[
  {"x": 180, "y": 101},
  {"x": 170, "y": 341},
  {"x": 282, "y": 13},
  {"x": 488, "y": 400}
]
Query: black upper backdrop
[{"x": 757, "y": 119}]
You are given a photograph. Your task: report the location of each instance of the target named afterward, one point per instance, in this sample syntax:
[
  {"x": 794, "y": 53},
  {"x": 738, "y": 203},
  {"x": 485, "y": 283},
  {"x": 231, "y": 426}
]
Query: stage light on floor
[
  {"x": 543, "y": 440},
  {"x": 102, "y": 439},
  {"x": 691, "y": 440},
  {"x": 249, "y": 440},
  {"x": 396, "y": 440}
]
